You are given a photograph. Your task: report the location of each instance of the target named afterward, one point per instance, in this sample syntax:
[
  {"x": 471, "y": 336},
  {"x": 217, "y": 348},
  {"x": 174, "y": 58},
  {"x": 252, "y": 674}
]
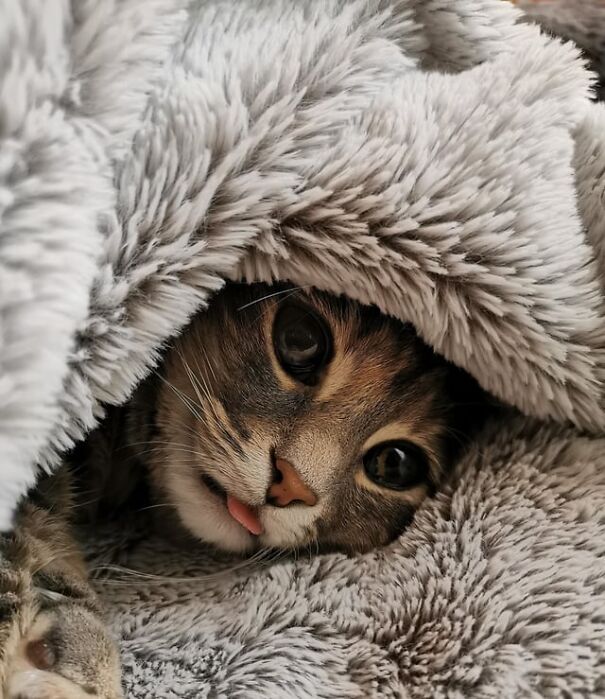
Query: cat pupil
[
  {"x": 394, "y": 461},
  {"x": 301, "y": 342},
  {"x": 395, "y": 466}
]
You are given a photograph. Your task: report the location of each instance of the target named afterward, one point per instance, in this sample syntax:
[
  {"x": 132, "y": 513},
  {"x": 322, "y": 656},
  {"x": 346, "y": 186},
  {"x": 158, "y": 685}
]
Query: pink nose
[{"x": 288, "y": 487}]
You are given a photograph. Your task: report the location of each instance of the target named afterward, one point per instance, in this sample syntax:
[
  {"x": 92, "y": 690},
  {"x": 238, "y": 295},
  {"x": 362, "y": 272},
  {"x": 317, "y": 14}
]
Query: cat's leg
[{"x": 53, "y": 642}]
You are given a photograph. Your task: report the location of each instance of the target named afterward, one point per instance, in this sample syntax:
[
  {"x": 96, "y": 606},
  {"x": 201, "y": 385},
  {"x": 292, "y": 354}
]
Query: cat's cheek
[
  {"x": 204, "y": 514},
  {"x": 210, "y": 522},
  {"x": 215, "y": 526}
]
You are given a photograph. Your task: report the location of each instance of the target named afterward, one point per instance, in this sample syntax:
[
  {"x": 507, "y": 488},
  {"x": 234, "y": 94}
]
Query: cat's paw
[{"x": 67, "y": 654}]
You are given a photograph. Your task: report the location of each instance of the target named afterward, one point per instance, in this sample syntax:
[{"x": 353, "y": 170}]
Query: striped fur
[
  {"x": 209, "y": 423},
  {"x": 224, "y": 405}
]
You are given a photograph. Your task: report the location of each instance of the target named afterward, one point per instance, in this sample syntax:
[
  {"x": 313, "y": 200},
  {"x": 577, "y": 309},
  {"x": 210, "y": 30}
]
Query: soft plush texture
[
  {"x": 583, "y": 21},
  {"x": 496, "y": 592},
  {"x": 435, "y": 157}
]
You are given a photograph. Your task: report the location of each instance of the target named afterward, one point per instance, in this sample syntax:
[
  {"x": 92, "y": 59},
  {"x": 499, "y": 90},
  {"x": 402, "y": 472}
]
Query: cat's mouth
[
  {"x": 213, "y": 486},
  {"x": 245, "y": 515}
]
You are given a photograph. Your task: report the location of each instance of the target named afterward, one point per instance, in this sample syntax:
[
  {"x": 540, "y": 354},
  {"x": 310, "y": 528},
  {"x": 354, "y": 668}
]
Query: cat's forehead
[
  {"x": 379, "y": 370},
  {"x": 361, "y": 332}
]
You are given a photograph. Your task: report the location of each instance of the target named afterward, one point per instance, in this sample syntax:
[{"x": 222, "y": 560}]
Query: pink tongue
[{"x": 245, "y": 515}]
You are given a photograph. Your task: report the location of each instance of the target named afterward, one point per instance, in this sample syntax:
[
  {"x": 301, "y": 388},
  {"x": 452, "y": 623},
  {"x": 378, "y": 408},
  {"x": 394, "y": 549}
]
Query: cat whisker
[
  {"x": 173, "y": 449},
  {"x": 52, "y": 556},
  {"x": 309, "y": 549},
  {"x": 185, "y": 399},
  {"x": 201, "y": 389},
  {"x": 158, "y": 505},
  {"x": 206, "y": 357},
  {"x": 72, "y": 507},
  {"x": 286, "y": 294},
  {"x": 262, "y": 556},
  {"x": 281, "y": 292}
]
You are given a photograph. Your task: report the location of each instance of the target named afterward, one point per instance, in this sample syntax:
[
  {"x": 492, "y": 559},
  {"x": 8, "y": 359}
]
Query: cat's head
[{"x": 291, "y": 419}]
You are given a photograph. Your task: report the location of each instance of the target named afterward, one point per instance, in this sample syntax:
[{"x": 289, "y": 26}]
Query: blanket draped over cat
[{"x": 438, "y": 158}]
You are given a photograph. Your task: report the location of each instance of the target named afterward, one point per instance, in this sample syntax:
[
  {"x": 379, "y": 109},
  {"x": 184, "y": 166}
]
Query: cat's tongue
[{"x": 245, "y": 515}]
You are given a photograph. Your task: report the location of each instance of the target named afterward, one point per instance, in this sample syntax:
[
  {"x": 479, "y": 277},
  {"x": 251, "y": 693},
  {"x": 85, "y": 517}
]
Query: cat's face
[{"x": 293, "y": 419}]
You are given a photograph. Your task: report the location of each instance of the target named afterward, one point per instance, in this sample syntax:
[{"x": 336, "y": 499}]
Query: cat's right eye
[
  {"x": 396, "y": 465},
  {"x": 301, "y": 341}
]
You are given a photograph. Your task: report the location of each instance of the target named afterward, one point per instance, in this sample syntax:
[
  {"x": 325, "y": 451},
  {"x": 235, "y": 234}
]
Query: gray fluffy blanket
[{"x": 435, "y": 157}]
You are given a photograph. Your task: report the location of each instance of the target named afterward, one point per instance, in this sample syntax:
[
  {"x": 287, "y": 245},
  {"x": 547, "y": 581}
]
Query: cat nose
[{"x": 288, "y": 487}]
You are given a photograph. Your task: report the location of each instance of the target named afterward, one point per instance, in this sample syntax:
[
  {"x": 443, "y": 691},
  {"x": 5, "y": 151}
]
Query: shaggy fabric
[
  {"x": 583, "y": 21},
  {"x": 497, "y": 591},
  {"x": 435, "y": 157},
  {"x": 580, "y": 20}
]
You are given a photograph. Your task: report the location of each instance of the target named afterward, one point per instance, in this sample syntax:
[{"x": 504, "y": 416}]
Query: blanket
[
  {"x": 583, "y": 21},
  {"x": 438, "y": 158}
]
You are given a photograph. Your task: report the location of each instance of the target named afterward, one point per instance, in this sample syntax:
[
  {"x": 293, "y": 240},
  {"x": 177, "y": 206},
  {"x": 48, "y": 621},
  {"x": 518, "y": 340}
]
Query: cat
[{"x": 280, "y": 418}]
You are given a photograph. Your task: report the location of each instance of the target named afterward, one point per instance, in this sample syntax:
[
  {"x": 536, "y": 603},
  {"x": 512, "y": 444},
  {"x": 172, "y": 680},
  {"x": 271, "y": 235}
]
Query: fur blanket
[{"x": 435, "y": 157}]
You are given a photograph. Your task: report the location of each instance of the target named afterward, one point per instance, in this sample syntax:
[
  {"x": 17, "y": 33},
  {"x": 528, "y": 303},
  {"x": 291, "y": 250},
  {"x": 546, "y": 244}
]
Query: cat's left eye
[
  {"x": 301, "y": 341},
  {"x": 396, "y": 465}
]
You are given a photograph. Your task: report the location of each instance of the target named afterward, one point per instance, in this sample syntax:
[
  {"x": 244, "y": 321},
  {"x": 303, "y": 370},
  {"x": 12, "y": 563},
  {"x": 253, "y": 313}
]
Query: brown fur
[
  {"x": 53, "y": 642},
  {"x": 227, "y": 403},
  {"x": 213, "y": 421}
]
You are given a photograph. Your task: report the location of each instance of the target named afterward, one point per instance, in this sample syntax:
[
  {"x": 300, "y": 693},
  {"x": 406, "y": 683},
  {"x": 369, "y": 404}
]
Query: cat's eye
[
  {"x": 302, "y": 342},
  {"x": 396, "y": 465}
]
